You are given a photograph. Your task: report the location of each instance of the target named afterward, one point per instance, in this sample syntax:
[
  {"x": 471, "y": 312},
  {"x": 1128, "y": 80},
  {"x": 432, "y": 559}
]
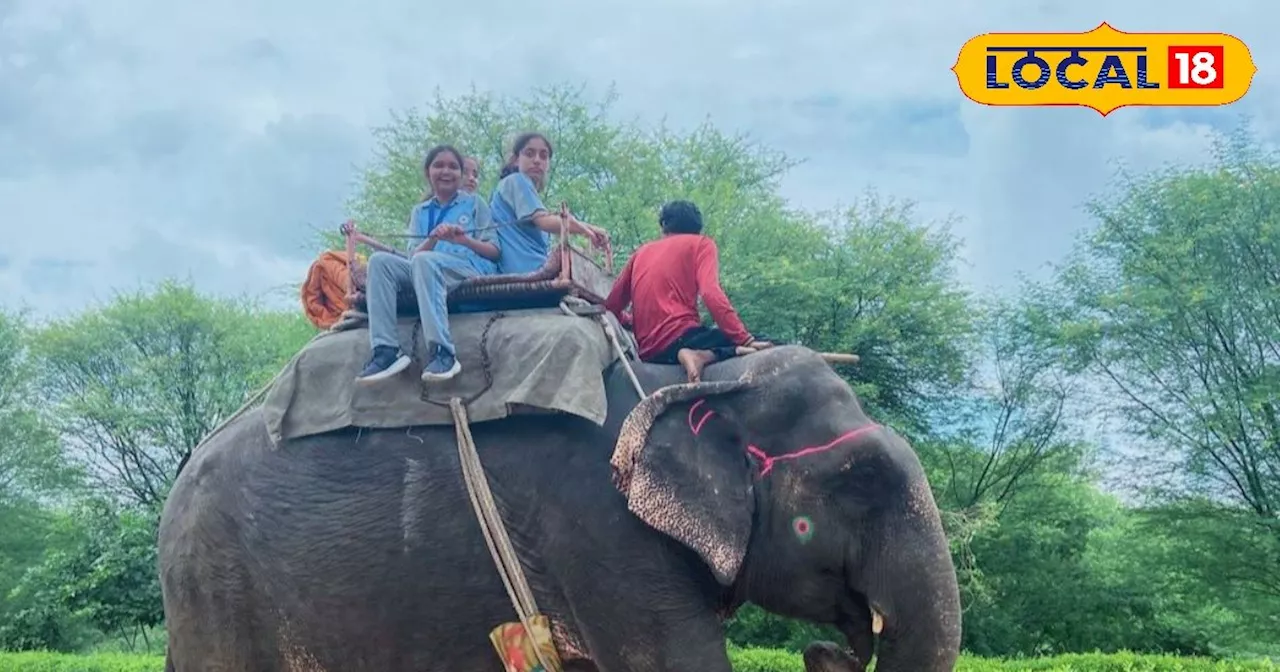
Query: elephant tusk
[{"x": 877, "y": 621}]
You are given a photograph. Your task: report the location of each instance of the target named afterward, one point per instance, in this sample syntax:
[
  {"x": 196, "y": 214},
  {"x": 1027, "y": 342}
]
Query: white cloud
[{"x": 150, "y": 138}]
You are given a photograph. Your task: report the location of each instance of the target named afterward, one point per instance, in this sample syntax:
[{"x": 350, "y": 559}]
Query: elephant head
[{"x": 770, "y": 471}]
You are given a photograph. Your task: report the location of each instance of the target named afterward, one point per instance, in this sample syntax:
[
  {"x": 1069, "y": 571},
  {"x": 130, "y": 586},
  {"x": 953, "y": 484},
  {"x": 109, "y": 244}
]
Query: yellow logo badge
[{"x": 1104, "y": 69}]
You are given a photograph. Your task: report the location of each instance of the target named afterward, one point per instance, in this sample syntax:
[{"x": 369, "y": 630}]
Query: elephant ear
[{"x": 686, "y": 473}]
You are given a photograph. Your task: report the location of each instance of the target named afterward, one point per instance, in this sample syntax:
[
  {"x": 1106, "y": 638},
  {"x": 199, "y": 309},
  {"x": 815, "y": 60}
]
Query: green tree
[
  {"x": 103, "y": 578},
  {"x": 870, "y": 279},
  {"x": 1173, "y": 303},
  {"x": 33, "y": 473},
  {"x": 1014, "y": 418},
  {"x": 613, "y": 174},
  {"x": 1067, "y": 568},
  {"x": 135, "y": 385},
  {"x": 30, "y": 459}
]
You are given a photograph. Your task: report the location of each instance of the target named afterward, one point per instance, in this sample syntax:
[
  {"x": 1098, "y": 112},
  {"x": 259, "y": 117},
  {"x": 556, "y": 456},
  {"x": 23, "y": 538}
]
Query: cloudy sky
[{"x": 142, "y": 139}]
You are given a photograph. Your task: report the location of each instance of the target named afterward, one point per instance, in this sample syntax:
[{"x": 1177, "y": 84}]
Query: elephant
[
  {"x": 765, "y": 482},
  {"x": 829, "y": 657}
]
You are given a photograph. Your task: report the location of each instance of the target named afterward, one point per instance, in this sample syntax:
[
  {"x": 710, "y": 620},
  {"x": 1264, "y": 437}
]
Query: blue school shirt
[
  {"x": 466, "y": 211},
  {"x": 524, "y": 245}
]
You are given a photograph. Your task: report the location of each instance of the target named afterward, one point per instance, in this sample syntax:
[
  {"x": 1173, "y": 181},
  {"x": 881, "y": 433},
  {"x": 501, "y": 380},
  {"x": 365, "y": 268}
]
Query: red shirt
[{"x": 663, "y": 281}]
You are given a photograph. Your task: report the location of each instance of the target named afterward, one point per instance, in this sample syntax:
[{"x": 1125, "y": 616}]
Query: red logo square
[{"x": 1195, "y": 67}]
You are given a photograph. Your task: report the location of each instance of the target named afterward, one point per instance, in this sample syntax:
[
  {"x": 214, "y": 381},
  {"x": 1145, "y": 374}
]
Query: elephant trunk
[{"x": 913, "y": 592}]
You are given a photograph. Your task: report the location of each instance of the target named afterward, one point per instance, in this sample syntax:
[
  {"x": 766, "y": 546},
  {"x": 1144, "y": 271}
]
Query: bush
[
  {"x": 1114, "y": 662},
  {"x": 774, "y": 660},
  {"x": 39, "y": 661},
  {"x": 764, "y": 660},
  {"x": 744, "y": 660}
]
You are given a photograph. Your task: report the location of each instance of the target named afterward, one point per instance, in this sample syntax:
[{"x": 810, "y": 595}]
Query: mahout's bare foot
[{"x": 694, "y": 361}]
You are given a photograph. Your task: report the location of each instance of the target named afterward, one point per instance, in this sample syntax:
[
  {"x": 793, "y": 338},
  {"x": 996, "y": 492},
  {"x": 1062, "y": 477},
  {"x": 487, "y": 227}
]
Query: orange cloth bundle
[
  {"x": 516, "y": 647},
  {"x": 324, "y": 293}
]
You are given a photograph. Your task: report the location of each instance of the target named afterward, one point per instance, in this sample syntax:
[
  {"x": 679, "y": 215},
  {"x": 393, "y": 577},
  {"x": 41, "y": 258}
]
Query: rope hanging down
[
  {"x": 495, "y": 533},
  {"x": 578, "y": 307},
  {"x": 491, "y": 525}
]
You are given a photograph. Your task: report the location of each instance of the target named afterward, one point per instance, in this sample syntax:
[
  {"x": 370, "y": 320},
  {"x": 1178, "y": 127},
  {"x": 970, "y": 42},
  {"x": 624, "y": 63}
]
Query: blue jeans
[{"x": 431, "y": 274}]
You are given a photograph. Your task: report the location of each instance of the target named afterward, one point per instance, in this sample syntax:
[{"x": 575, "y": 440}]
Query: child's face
[
  {"x": 470, "y": 175},
  {"x": 534, "y": 160},
  {"x": 444, "y": 172}
]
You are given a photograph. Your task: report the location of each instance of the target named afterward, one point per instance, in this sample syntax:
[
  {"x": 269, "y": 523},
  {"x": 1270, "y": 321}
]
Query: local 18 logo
[{"x": 1104, "y": 69}]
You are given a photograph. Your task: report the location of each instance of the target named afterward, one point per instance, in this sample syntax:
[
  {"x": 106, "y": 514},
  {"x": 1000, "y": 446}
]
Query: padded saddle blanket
[{"x": 538, "y": 360}]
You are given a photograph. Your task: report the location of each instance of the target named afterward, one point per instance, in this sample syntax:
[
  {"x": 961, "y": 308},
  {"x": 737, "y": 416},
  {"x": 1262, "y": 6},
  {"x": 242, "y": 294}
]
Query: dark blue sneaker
[
  {"x": 385, "y": 362},
  {"x": 441, "y": 367}
]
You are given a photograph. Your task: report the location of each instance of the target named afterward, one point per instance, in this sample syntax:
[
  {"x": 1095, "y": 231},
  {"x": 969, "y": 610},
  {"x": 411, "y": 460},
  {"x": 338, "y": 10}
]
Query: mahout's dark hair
[{"x": 680, "y": 217}]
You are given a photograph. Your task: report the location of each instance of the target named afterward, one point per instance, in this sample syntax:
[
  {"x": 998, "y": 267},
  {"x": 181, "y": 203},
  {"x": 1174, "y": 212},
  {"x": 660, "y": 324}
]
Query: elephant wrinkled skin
[
  {"x": 828, "y": 657},
  {"x": 359, "y": 550}
]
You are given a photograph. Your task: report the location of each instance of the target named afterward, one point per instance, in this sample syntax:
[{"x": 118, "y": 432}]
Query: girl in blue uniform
[
  {"x": 523, "y": 221},
  {"x": 453, "y": 240}
]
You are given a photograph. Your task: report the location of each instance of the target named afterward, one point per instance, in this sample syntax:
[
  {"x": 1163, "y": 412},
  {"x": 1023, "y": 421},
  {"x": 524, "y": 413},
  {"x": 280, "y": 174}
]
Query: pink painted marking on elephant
[
  {"x": 769, "y": 460},
  {"x": 697, "y": 427}
]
